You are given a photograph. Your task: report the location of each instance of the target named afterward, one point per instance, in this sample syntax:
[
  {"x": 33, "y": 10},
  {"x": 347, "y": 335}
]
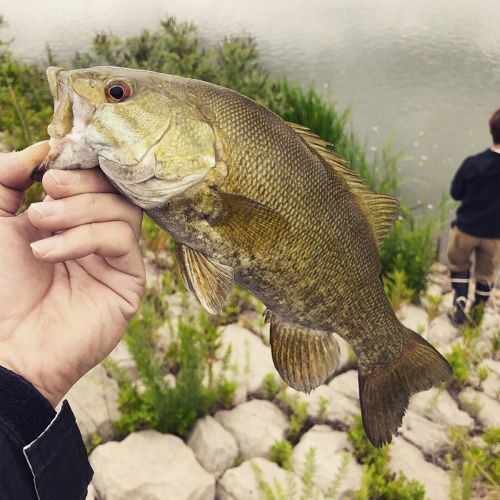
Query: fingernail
[
  {"x": 48, "y": 208},
  {"x": 42, "y": 247},
  {"x": 65, "y": 177}
]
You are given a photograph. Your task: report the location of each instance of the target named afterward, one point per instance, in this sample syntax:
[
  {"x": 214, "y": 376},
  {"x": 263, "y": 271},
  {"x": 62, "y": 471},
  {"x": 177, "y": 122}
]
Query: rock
[
  {"x": 328, "y": 404},
  {"x": 347, "y": 356},
  {"x": 148, "y": 465},
  {"x": 240, "y": 483},
  {"x": 91, "y": 493},
  {"x": 410, "y": 461},
  {"x": 413, "y": 317},
  {"x": 429, "y": 436},
  {"x": 491, "y": 322},
  {"x": 256, "y": 425},
  {"x": 214, "y": 447},
  {"x": 491, "y": 385},
  {"x": 441, "y": 331},
  {"x": 492, "y": 365},
  {"x": 439, "y": 268},
  {"x": 332, "y": 449},
  {"x": 124, "y": 360},
  {"x": 484, "y": 408},
  {"x": 437, "y": 405},
  {"x": 94, "y": 401},
  {"x": 347, "y": 384},
  {"x": 250, "y": 360},
  {"x": 447, "y": 302}
]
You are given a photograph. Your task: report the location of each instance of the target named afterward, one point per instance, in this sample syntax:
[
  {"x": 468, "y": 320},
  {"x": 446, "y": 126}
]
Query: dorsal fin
[{"x": 380, "y": 209}]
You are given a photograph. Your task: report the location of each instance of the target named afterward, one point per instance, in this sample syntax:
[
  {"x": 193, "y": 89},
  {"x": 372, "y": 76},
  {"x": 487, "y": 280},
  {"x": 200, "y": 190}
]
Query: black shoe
[
  {"x": 460, "y": 286},
  {"x": 457, "y": 315}
]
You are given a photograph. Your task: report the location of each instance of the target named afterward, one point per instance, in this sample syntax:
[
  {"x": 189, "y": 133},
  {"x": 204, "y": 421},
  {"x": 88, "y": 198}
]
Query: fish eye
[{"x": 118, "y": 91}]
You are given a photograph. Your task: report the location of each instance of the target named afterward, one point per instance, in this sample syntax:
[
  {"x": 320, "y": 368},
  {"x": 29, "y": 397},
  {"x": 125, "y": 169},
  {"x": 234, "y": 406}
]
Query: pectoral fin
[
  {"x": 249, "y": 224},
  {"x": 304, "y": 358},
  {"x": 209, "y": 281}
]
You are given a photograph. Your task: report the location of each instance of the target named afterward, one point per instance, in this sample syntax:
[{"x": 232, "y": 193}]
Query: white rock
[
  {"x": 91, "y": 493},
  {"x": 338, "y": 406},
  {"x": 214, "y": 447},
  {"x": 93, "y": 400},
  {"x": 331, "y": 449},
  {"x": 491, "y": 321},
  {"x": 347, "y": 355},
  {"x": 437, "y": 405},
  {"x": 346, "y": 383},
  {"x": 492, "y": 365},
  {"x": 148, "y": 465},
  {"x": 250, "y": 360},
  {"x": 410, "y": 461},
  {"x": 413, "y": 317},
  {"x": 256, "y": 425},
  {"x": 240, "y": 483},
  {"x": 447, "y": 302},
  {"x": 486, "y": 409},
  {"x": 491, "y": 385},
  {"x": 441, "y": 331},
  {"x": 124, "y": 360},
  {"x": 429, "y": 436}
]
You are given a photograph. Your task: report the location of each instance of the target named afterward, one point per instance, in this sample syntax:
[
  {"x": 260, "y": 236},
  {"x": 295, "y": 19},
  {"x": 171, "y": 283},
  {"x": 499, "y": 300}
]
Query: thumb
[{"x": 16, "y": 168}]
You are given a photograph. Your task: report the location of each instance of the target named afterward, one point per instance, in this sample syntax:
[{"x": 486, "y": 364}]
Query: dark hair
[{"x": 495, "y": 126}]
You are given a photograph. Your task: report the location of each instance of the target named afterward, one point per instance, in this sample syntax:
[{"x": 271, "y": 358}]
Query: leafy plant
[
  {"x": 396, "y": 288},
  {"x": 270, "y": 385},
  {"x": 281, "y": 453},
  {"x": 378, "y": 482},
  {"x": 159, "y": 405},
  {"x": 475, "y": 461}
]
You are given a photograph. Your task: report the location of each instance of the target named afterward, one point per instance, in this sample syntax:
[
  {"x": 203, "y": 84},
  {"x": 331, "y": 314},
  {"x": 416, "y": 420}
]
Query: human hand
[{"x": 66, "y": 300}]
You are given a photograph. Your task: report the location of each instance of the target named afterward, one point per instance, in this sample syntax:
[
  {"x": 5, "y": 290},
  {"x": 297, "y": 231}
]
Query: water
[{"x": 425, "y": 74}]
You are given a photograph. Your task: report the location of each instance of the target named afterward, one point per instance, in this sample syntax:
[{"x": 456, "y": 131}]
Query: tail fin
[{"x": 385, "y": 391}]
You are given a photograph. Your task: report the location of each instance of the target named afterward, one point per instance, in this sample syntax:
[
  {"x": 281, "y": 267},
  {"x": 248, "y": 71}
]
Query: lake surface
[{"x": 422, "y": 72}]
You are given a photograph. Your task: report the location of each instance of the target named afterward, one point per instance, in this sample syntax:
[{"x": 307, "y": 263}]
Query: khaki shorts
[{"x": 486, "y": 251}]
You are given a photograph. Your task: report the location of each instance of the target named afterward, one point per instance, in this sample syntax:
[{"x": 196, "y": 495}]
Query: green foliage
[
  {"x": 432, "y": 305},
  {"x": 270, "y": 385},
  {"x": 396, "y": 288},
  {"x": 323, "y": 408},
  {"x": 298, "y": 418},
  {"x": 409, "y": 248},
  {"x": 378, "y": 482},
  {"x": 281, "y": 453},
  {"x": 475, "y": 461},
  {"x": 459, "y": 362},
  {"x": 159, "y": 405}
]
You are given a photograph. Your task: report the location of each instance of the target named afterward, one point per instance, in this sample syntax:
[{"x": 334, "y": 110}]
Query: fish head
[{"x": 145, "y": 130}]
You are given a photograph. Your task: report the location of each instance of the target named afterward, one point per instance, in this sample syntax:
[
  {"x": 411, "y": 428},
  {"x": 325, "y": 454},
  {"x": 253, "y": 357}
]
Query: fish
[{"x": 250, "y": 199}]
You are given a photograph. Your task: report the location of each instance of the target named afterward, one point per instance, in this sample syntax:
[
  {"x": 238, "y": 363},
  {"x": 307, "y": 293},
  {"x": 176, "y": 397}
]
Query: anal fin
[
  {"x": 304, "y": 358},
  {"x": 209, "y": 281}
]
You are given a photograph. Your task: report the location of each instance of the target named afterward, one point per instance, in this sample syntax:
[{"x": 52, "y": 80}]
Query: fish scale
[{"x": 264, "y": 204}]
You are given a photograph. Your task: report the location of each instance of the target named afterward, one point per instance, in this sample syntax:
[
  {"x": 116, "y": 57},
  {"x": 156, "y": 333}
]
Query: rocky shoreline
[{"x": 221, "y": 455}]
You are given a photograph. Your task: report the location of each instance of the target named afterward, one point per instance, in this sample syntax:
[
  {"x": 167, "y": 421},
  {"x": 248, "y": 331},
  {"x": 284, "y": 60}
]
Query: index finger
[
  {"x": 64, "y": 183},
  {"x": 15, "y": 174}
]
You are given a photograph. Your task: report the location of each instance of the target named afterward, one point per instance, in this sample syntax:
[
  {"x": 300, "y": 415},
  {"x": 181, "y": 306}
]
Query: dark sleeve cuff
[
  {"x": 22, "y": 408},
  {"x": 58, "y": 459}
]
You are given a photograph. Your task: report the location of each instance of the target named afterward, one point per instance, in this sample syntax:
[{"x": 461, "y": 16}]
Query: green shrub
[
  {"x": 378, "y": 482},
  {"x": 281, "y": 453},
  {"x": 460, "y": 363},
  {"x": 475, "y": 462},
  {"x": 396, "y": 289},
  {"x": 270, "y": 385},
  {"x": 159, "y": 405}
]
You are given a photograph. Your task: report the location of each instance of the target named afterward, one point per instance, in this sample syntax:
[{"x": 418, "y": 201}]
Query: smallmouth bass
[{"x": 253, "y": 200}]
